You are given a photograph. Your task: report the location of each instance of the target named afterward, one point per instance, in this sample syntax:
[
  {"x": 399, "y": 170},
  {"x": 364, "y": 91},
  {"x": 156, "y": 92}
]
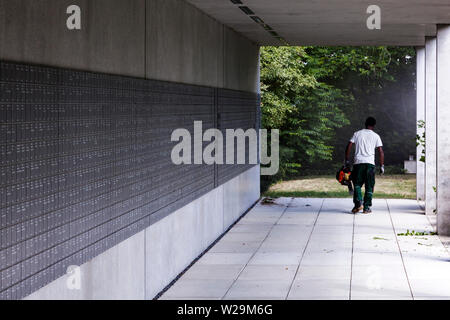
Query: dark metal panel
[
  {"x": 85, "y": 163},
  {"x": 236, "y": 110}
]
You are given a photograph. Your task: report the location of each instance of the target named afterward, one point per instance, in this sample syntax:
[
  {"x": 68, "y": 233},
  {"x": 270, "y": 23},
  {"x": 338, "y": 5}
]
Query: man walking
[{"x": 366, "y": 141}]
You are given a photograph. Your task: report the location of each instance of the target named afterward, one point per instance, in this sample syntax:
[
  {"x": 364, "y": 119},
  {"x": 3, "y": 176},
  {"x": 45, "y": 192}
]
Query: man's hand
[{"x": 380, "y": 150}]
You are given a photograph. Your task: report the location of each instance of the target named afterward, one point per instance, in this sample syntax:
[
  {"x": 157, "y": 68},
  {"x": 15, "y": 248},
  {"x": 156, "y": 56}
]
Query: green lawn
[{"x": 388, "y": 186}]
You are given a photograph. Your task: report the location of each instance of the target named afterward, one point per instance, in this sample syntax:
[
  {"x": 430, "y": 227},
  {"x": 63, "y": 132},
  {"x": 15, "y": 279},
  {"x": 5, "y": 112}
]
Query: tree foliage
[{"x": 309, "y": 93}]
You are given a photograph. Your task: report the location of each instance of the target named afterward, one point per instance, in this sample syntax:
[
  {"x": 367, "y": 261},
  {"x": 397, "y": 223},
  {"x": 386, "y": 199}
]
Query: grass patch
[
  {"x": 327, "y": 194},
  {"x": 386, "y": 187}
]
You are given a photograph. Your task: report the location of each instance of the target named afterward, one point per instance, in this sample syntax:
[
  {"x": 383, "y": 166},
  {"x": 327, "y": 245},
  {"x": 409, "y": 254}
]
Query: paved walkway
[{"x": 314, "y": 249}]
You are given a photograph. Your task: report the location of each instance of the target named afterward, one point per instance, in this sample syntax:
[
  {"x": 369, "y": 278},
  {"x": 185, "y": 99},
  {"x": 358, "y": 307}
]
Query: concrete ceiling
[{"x": 331, "y": 22}]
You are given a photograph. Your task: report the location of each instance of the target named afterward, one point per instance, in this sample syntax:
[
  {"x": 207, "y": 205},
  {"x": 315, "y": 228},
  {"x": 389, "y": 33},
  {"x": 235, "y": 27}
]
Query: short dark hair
[{"x": 371, "y": 122}]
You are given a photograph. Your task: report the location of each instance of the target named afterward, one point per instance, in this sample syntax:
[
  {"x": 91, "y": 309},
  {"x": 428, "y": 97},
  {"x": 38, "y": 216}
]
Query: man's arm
[
  {"x": 381, "y": 152},
  {"x": 347, "y": 153}
]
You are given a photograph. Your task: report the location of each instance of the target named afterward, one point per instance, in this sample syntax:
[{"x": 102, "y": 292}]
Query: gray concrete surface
[
  {"x": 430, "y": 125},
  {"x": 183, "y": 44},
  {"x": 420, "y": 115},
  {"x": 199, "y": 50},
  {"x": 171, "y": 40},
  {"x": 325, "y": 22},
  {"x": 111, "y": 39},
  {"x": 141, "y": 266},
  {"x": 158, "y": 39},
  {"x": 241, "y": 62},
  {"x": 443, "y": 141},
  {"x": 315, "y": 249},
  {"x": 117, "y": 273}
]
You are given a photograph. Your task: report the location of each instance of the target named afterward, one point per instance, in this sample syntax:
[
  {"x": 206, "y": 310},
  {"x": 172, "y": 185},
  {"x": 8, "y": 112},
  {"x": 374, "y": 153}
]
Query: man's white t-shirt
[{"x": 366, "y": 142}]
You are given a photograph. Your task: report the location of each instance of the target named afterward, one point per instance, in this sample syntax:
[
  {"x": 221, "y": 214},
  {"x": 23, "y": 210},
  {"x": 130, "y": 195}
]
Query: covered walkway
[
  {"x": 87, "y": 182},
  {"x": 314, "y": 249}
]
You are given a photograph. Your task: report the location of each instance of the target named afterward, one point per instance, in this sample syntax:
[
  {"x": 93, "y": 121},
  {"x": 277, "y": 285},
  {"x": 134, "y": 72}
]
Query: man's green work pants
[{"x": 363, "y": 174}]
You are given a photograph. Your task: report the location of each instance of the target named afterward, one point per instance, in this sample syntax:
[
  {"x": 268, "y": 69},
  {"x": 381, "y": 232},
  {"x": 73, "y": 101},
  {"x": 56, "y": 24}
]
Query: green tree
[
  {"x": 304, "y": 109},
  {"x": 309, "y": 93}
]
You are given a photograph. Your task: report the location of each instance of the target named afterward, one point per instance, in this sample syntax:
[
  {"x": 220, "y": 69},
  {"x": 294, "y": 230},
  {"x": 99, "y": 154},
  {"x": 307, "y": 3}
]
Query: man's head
[{"x": 370, "y": 123}]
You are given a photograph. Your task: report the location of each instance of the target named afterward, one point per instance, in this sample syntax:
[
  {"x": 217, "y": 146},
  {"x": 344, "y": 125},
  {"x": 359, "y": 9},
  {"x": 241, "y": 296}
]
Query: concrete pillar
[
  {"x": 430, "y": 125},
  {"x": 420, "y": 176},
  {"x": 443, "y": 130}
]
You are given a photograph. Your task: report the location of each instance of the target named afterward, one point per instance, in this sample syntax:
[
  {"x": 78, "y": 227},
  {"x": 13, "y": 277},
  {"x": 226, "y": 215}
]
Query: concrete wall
[
  {"x": 143, "y": 265},
  {"x": 112, "y": 39},
  {"x": 185, "y": 45},
  {"x": 420, "y": 85},
  {"x": 158, "y": 39},
  {"x": 443, "y": 130},
  {"x": 430, "y": 125}
]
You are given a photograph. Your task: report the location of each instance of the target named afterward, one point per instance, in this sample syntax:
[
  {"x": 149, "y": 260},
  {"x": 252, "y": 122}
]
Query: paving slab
[
  {"x": 214, "y": 271},
  {"x": 430, "y": 287},
  {"x": 317, "y": 289},
  {"x": 276, "y": 258},
  {"x": 223, "y": 258},
  {"x": 391, "y": 259},
  {"x": 245, "y": 236},
  {"x": 327, "y": 257},
  {"x": 199, "y": 288},
  {"x": 375, "y": 242},
  {"x": 269, "y": 272},
  {"x": 236, "y": 246},
  {"x": 315, "y": 249},
  {"x": 297, "y": 218},
  {"x": 280, "y": 246},
  {"x": 379, "y": 281},
  {"x": 324, "y": 272},
  {"x": 259, "y": 289},
  {"x": 250, "y": 228}
]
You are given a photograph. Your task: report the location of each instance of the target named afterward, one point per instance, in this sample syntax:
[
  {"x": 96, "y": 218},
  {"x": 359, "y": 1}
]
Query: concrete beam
[
  {"x": 351, "y": 34},
  {"x": 430, "y": 125},
  {"x": 111, "y": 39},
  {"x": 183, "y": 44},
  {"x": 443, "y": 134},
  {"x": 324, "y": 22},
  {"x": 241, "y": 62},
  {"x": 420, "y": 84}
]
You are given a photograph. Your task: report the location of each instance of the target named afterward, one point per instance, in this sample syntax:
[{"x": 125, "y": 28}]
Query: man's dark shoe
[
  {"x": 367, "y": 211},
  {"x": 357, "y": 208}
]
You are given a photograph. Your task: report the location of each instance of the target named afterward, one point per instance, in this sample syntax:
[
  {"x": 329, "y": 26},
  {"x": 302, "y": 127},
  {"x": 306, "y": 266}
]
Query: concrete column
[
  {"x": 443, "y": 130},
  {"x": 430, "y": 125},
  {"x": 420, "y": 176}
]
